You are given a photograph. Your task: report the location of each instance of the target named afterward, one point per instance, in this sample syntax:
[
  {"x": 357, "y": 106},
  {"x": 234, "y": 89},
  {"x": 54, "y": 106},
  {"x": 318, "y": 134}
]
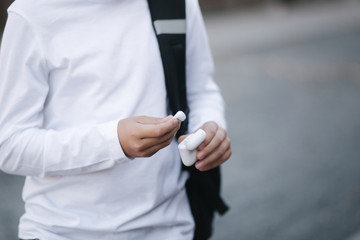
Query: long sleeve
[
  {"x": 26, "y": 148},
  {"x": 204, "y": 97},
  {"x": 69, "y": 71}
]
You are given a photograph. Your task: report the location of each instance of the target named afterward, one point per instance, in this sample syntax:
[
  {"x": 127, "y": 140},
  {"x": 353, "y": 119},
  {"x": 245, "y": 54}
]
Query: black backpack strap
[
  {"x": 203, "y": 188},
  {"x": 168, "y": 17}
]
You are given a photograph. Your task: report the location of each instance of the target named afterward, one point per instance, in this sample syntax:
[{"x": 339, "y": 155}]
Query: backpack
[{"x": 203, "y": 188}]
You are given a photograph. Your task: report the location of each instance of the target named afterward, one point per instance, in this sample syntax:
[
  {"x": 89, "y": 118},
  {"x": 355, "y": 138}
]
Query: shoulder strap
[
  {"x": 168, "y": 17},
  {"x": 203, "y": 188}
]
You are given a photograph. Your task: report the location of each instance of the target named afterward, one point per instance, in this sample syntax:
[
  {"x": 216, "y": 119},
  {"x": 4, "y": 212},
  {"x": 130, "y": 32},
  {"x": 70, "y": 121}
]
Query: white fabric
[{"x": 69, "y": 71}]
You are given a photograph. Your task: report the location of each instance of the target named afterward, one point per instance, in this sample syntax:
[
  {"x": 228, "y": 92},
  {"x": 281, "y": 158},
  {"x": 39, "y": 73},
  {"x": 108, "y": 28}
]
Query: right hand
[{"x": 143, "y": 136}]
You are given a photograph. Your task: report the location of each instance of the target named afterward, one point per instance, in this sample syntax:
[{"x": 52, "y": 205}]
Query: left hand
[{"x": 215, "y": 149}]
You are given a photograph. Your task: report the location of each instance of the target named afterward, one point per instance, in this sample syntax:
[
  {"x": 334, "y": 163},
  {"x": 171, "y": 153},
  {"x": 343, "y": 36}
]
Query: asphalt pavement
[{"x": 291, "y": 81}]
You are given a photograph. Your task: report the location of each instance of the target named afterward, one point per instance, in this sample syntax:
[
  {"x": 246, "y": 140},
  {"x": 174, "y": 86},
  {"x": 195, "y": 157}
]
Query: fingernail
[
  {"x": 199, "y": 165},
  {"x": 200, "y": 155},
  {"x": 175, "y": 121},
  {"x": 166, "y": 119}
]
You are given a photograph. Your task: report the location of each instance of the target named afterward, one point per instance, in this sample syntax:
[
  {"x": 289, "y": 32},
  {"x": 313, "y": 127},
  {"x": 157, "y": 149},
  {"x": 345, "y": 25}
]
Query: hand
[
  {"x": 143, "y": 136},
  {"x": 215, "y": 149}
]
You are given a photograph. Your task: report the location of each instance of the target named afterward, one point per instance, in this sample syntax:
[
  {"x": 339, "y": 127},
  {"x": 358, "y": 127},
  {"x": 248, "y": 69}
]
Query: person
[{"x": 84, "y": 117}]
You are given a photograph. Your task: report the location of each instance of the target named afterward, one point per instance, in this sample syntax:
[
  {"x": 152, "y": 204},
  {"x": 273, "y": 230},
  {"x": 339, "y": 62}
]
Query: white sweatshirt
[{"x": 69, "y": 71}]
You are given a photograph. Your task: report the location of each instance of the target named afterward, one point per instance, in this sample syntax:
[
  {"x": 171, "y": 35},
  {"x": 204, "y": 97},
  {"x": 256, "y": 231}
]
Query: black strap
[
  {"x": 173, "y": 50},
  {"x": 203, "y": 188}
]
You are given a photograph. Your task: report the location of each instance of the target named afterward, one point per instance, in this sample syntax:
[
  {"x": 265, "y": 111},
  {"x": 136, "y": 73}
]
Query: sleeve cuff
[{"x": 115, "y": 150}]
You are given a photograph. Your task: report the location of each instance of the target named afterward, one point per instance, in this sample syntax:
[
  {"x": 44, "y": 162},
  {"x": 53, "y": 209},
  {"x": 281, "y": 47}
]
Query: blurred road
[{"x": 291, "y": 80}]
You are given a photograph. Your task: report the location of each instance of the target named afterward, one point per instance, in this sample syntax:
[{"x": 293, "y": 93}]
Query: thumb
[
  {"x": 166, "y": 119},
  {"x": 152, "y": 120},
  {"x": 182, "y": 137}
]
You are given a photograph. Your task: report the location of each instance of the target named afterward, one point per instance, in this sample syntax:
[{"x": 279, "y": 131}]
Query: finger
[
  {"x": 210, "y": 130},
  {"x": 155, "y": 148},
  {"x": 149, "y": 142},
  {"x": 158, "y": 130},
  {"x": 167, "y": 119},
  {"x": 215, "y": 142},
  {"x": 217, "y": 153},
  {"x": 219, "y": 156},
  {"x": 201, "y": 146},
  {"x": 216, "y": 163},
  {"x": 182, "y": 137},
  {"x": 149, "y": 120},
  {"x": 152, "y": 120}
]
